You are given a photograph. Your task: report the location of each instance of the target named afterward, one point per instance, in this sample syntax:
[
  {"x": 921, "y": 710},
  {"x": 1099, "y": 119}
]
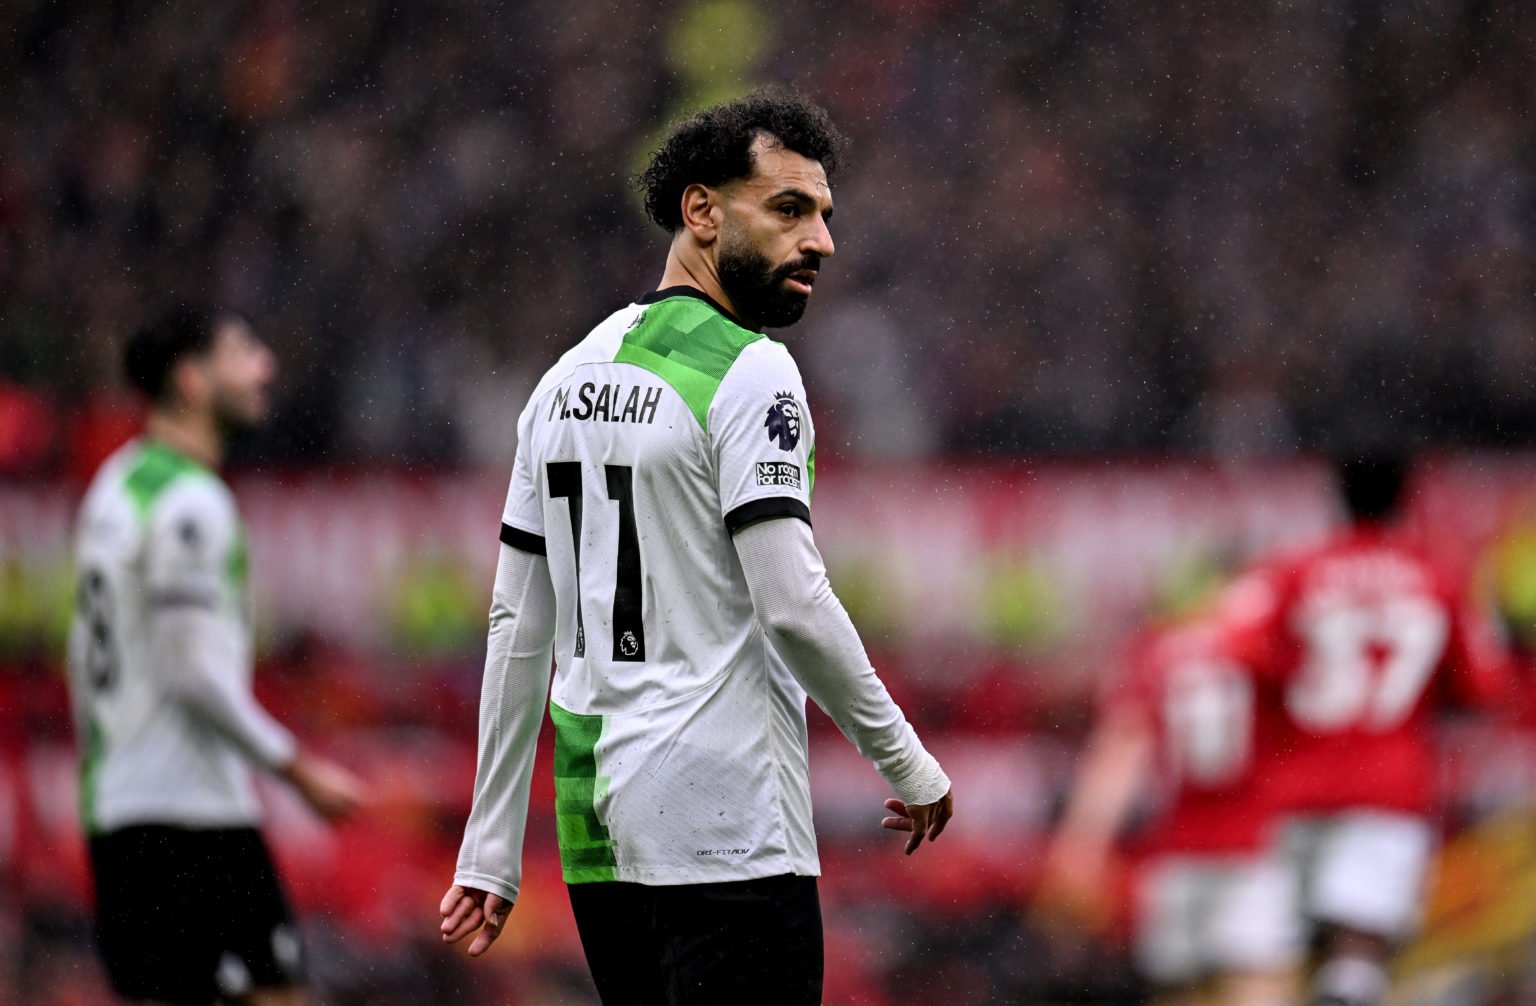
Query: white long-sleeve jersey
[
  {"x": 160, "y": 652},
  {"x": 658, "y": 548}
]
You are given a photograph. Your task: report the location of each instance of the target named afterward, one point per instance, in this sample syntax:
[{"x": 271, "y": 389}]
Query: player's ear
[
  {"x": 189, "y": 381},
  {"x": 703, "y": 211}
]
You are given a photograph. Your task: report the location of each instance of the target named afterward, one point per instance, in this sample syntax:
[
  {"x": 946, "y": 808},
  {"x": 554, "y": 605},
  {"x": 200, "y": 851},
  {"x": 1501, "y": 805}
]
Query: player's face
[
  {"x": 240, "y": 368},
  {"x": 775, "y": 235}
]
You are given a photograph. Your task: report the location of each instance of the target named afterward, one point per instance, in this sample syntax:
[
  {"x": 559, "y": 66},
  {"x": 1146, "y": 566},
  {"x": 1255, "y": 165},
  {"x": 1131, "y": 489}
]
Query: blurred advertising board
[{"x": 1051, "y": 562}]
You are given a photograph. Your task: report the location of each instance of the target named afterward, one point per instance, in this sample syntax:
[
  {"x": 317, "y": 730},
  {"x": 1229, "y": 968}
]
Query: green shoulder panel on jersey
[
  {"x": 154, "y": 469},
  {"x": 586, "y": 847},
  {"x": 690, "y": 345}
]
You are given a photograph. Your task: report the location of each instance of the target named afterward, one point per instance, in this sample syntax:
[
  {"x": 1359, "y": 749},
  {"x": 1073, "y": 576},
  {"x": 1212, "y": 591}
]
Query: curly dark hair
[
  {"x": 714, "y": 146},
  {"x": 154, "y": 350}
]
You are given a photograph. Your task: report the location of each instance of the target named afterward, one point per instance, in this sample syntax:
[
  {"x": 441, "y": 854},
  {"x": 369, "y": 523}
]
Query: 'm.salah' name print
[{"x": 606, "y": 403}]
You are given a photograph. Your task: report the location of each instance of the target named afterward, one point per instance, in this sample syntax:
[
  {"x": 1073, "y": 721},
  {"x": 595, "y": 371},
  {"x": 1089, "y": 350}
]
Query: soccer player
[
  {"x": 1356, "y": 644},
  {"x": 189, "y": 908},
  {"x": 1215, "y": 919},
  {"x": 657, "y": 538}
]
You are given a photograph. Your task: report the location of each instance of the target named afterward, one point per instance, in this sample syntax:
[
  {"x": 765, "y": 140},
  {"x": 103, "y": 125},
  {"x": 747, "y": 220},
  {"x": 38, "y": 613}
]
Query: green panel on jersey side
[
  {"x": 155, "y": 468},
  {"x": 586, "y": 848},
  {"x": 688, "y": 344},
  {"x": 239, "y": 561},
  {"x": 810, "y": 473},
  {"x": 90, "y": 765}
]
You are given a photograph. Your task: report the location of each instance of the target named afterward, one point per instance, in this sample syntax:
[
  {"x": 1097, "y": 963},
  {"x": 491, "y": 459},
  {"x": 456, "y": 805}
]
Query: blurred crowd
[{"x": 1067, "y": 227}]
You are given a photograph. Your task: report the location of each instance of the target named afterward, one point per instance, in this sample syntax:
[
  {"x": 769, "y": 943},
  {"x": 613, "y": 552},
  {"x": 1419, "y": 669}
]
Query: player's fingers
[
  {"x": 454, "y": 913},
  {"x": 456, "y": 903},
  {"x": 483, "y": 940},
  {"x": 495, "y": 917},
  {"x": 896, "y": 806},
  {"x": 460, "y": 925},
  {"x": 496, "y": 908},
  {"x": 919, "y": 826},
  {"x": 346, "y": 798},
  {"x": 896, "y": 823},
  {"x": 345, "y": 804},
  {"x": 942, "y": 812}
]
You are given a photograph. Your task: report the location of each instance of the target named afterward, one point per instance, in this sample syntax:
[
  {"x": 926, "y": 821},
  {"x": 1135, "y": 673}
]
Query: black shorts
[
  {"x": 189, "y": 915},
  {"x": 742, "y": 942}
]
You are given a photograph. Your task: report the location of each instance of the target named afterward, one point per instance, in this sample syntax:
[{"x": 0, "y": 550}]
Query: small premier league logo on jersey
[
  {"x": 628, "y": 644},
  {"x": 784, "y": 421}
]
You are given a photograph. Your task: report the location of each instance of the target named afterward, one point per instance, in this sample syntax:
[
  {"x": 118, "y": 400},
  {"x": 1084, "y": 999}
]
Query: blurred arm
[
  {"x": 1076, "y": 870},
  {"x": 813, "y": 634},
  {"x": 189, "y": 639},
  {"x": 1113, "y": 768},
  {"x": 512, "y": 698},
  {"x": 1482, "y": 660}
]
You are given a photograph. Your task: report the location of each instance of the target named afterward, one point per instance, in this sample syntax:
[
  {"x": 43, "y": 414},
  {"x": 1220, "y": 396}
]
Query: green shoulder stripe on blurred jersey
[{"x": 154, "y": 469}]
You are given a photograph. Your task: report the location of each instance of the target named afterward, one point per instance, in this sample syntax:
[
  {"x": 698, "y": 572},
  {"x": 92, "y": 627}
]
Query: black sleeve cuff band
[
  {"x": 766, "y": 509},
  {"x": 522, "y": 540}
]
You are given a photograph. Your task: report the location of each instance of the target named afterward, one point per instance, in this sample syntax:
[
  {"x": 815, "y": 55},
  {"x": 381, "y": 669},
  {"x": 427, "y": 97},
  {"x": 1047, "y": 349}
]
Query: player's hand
[
  {"x": 928, "y": 819},
  {"x": 466, "y": 909},
  {"x": 1076, "y": 881},
  {"x": 331, "y": 791}
]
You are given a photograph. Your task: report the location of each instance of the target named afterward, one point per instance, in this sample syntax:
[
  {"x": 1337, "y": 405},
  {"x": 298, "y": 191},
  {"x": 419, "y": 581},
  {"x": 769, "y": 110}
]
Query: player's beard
[
  {"x": 757, "y": 289},
  {"x": 238, "y": 412}
]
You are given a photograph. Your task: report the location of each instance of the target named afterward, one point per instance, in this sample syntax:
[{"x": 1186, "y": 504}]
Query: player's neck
[
  {"x": 699, "y": 273},
  {"x": 193, "y": 434}
]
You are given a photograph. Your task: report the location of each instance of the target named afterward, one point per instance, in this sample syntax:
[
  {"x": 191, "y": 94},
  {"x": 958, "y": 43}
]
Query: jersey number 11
[{"x": 564, "y": 480}]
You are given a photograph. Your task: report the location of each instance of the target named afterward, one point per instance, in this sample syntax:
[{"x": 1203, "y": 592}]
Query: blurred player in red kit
[
  {"x": 1355, "y": 645},
  {"x": 1215, "y": 916}
]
